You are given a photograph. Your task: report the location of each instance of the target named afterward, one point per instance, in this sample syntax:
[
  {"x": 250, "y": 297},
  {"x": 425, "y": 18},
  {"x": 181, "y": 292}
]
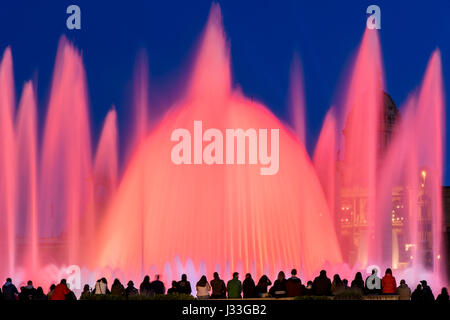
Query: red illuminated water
[{"x": 63, "y": 202}]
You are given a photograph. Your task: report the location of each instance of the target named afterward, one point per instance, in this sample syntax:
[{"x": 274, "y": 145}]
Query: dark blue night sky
[{"x": 263, "y": 35}]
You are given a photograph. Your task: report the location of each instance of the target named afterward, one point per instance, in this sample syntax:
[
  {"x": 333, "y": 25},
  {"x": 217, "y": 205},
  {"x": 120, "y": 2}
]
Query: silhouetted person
[
  {"x": 248, "y": 287},
  {"x": 27, "y": 292},
  {"x": 337, "y": 286},
  {"x": 157, "y": 286},
  {"x": 10, "y": 291},
  {"x": 131, "y": 291},
  {"x": 61, "y": 291},
  {"x": 443, "y": 296},
  {"x": 101, "y": 287},
  {"x": 203, "y": 288},
  {"x": 388, "y": 283},
  {"x": 117, "y": 288},
  {"x": 278, "y": 290},
  {"x": 145, "y": 288},
  {"x": 219, "y": 289},
  {"x": 172, "y": 289},
  {"x": 184, "y": 286},
  {"x": 322, "y": 284},
  {"x": 263, "y": 283},
  {"x": 40, "y": 295},
  {"x": 358, "y": 282},
  {"x": 403, "y": 291},
  {"x": 345, "y": 282},
  {"x": 294, "y": 285},
  {"x": 427, "y": 293},
  {"x": 373, "y": 283},
  {"x": 234, "y": 287},
  {"x": 86, "y": 292},
  {"x": 309, "y": 291},
  {"x": 417, "y": 295},
  {"x": 70, "y": 295},
  {"x": 50, "y": 292}
]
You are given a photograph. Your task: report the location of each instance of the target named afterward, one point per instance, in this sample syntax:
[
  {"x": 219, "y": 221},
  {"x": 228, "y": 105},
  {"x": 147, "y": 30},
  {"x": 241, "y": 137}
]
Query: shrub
[
  {"x": 320, "y": 298},
  {"x": 139, "y": 297},
  {"x": 349, "y": 294}
]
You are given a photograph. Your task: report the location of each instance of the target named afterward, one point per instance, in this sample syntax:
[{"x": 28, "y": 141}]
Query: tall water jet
[
  {"x": 106, "y": 162},
  {"x": 324, "y": 160},
  {"x": 27, "y": 207},
  {"x": 66, "y": 184},
  {"x": 430, "y": 124},
  {"x": 363, "y": 119},
  {"x": 140, "y": 101},
  {"x": 8, "y": 164},
  {"x": 297, "y": 99}
]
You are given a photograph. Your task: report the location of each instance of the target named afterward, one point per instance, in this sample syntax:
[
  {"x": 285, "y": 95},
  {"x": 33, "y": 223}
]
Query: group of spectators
[{"x": 235, "y": 289}]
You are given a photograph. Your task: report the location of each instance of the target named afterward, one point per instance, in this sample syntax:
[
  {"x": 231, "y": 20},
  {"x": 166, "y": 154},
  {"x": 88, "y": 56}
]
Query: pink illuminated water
[{"x": 63, "y": 202}]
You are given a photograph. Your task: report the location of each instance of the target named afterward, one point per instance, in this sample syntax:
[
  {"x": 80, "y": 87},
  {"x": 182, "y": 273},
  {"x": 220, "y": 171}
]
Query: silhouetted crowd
[{"x": 235, "y": 289}]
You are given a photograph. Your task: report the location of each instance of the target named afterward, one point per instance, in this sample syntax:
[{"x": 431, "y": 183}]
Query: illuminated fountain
[{"x": 64, "y": 203}]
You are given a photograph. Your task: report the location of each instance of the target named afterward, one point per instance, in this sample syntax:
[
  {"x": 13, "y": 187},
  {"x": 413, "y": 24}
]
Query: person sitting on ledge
[
  {"x": 27, "y": 292},
  {"x": 322, "y": 284},
  {"x": 86, "y": 292},
  {"x": 234, "y": 287},
  {"x": 417, "y": 295},
  {"x": 145, "y": 288},
  {"x": 358, "y": 282},
  {"x": 337, "y": 286},
  {"x": 101, "y": 287},
  {"x": 61, "y": 291},
  {"x": 278, "y": 289},
  {"x": 157, "y": 286},
  {"x": 294, "y": 285},
  {"x": 345, "y": 282},
  {"x": 309, "y": 291},
  {"x": 40, "y": 295},
  {"x": 443, "y": 296},
  {"x": 403, "y": 291},
  {"x": 388, "y": 283},
  {"x": 184, "y": 286},
  {"x": 219, "y": 289},
  {"x": 261, "y": 287},
  {"x": 50, "y": 291},
  {"x": 131, "y": 291},
  {"x": 427, "y": 293},
  {"x": 203, "y": 288},
  {"x": 117, "y": 289},
  {"x": 173, "y": 289},
  {"x": 9, "y": 290},
  {"x": 248, "y": 287}
]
